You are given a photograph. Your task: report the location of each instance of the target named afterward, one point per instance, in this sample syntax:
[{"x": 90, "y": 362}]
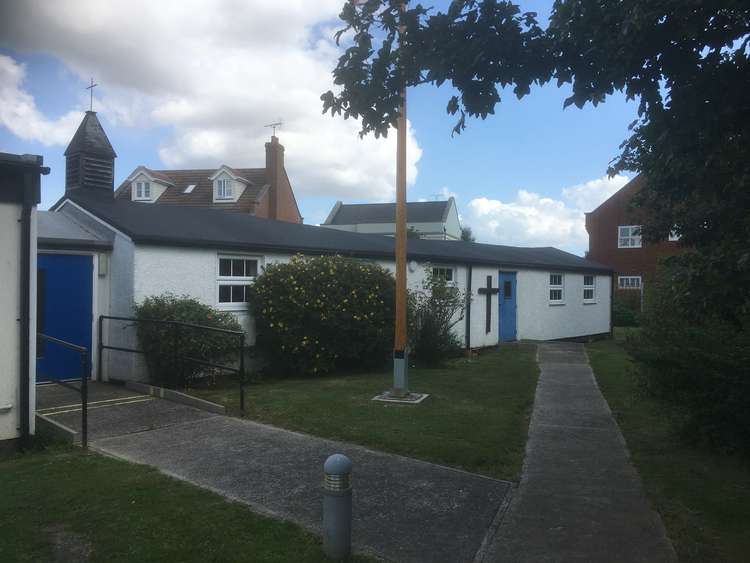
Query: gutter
[{"x": 469, "y": 295}]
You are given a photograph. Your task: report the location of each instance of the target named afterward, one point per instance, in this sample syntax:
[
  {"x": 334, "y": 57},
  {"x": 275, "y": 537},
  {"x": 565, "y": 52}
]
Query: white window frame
[
  {"x": 555, "y": 287},
  {"x": 224, "y": 189},
  {"x": 437, "y": 269},
  {"x": 142, "y": 190},
  {"x": 591, "y": 286},
  {"x": 231, "y": 280},
  {"x": 623, "y": 284},
  {"x": 633, "y": 239}
]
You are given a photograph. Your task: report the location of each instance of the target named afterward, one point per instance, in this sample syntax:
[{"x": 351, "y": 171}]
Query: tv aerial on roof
[{"x": 274, "y": 125}]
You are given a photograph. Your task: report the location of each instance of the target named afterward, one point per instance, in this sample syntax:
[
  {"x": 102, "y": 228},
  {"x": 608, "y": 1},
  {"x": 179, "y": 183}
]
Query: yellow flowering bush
[{"x": 316, "y": 315}]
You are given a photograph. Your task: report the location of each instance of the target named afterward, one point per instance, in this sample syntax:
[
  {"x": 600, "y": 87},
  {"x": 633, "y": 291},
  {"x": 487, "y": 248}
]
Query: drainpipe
[
  {"x": 30, "y": 199},
  {"x": 468, "y": 308}
]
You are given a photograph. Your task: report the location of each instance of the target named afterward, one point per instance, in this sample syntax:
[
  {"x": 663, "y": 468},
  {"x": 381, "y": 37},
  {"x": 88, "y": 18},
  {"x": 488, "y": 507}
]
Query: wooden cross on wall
[{"x": 488, "y": 291}]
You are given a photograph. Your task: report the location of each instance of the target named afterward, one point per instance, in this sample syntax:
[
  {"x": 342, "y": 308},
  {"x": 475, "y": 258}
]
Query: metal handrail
[
  {"x": 240, "y": 371},
  {"x": 84, "y": 390}
]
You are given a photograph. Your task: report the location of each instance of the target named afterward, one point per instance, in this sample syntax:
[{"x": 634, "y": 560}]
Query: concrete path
[
  {"x": 580, "y": 498},
  {"x": 404, "y": 509}
]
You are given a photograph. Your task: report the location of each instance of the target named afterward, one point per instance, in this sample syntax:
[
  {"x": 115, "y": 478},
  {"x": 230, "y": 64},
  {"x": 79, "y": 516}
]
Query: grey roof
[
  {"x": 90, "y": 138},
  {"x": 173, "y": 225},
  {"x": 59, "y": 230},
  {"x": 416, "y": 212}
]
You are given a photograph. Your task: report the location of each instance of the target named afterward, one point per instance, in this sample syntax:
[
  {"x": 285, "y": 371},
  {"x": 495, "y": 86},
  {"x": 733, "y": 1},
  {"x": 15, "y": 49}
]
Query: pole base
[{"x": 400, "y": 373}]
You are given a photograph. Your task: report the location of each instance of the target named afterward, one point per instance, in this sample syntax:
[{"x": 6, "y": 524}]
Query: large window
[
  {"x": 443, "y": 274},
  {"x": 629, "y": 236},
  {"x": 235, "y": 274},
  {"x": 224, "y": 189},
  {"x": 589, "y": 289},
  {"x": 142, "y": 190},
  {"x": 629, "y": 282},
  {"x": 556, "y": 289}
]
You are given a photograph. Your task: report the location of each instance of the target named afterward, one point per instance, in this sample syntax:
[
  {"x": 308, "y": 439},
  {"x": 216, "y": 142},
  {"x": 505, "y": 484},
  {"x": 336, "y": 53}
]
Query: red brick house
[
  {"x": 263, "y": 192},
  {"x": 615, "y": 239}
]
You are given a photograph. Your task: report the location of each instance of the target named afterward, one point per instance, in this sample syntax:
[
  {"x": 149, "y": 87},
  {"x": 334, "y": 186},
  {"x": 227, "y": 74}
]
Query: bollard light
[{"x": 337, "y": 507}]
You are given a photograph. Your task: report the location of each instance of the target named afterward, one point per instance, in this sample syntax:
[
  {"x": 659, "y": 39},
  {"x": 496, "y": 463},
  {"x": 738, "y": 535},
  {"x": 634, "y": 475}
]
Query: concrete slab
[
  {"x": 580, "y": 498},
  {"x": 137, "y": 414},
  {"x": 404, "y": 509}
]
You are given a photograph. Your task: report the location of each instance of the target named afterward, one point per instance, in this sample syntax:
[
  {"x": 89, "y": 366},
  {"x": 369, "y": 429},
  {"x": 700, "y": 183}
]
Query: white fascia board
[{"x": 225, "y": 168}]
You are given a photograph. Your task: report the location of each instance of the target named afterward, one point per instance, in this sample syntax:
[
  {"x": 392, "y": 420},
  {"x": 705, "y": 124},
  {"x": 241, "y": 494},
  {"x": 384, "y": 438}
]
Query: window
[
  {"x": 443, "y": 274},
  {"x": 189, "y": 189},
  {"x": 556, "y": 293},
  {"x": 629, "y": 282},
  {"x": 224, "y": 189},
  {"x": 629, "y": 236},
  {"x": 589, "y": 288},
  {"x": 235, "y": 274},
  {"x": 508, "y": 289},
  {"x": 142, "y": 190}
]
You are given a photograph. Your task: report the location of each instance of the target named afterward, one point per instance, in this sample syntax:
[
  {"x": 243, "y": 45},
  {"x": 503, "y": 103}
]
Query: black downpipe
[
  {"x": 28, "y": 203},
  {"x": 468, "y": 307}
]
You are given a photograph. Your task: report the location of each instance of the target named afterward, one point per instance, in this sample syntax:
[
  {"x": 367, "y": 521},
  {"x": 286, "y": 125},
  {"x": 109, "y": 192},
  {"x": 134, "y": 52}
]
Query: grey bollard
[{"x": 337, "y": 507}]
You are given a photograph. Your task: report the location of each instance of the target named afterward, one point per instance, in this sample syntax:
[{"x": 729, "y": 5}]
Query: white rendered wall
[
  {"x": 429, "y": 230},
  {"x": 539, "y": 320},
  {"x": 193, "y": 272},
  {"x": 10, "y": 304}
]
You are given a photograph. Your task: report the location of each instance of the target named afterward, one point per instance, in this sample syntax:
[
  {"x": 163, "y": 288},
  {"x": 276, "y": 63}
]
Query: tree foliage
[{"x": 686, "y": 62}]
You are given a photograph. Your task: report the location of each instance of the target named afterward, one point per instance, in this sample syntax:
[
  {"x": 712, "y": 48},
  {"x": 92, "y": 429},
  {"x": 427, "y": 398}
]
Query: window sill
[
  {"x": 233, "y": 307},
  {"x": 556, "y": 303},
  {"x": 589, "y": 302}
]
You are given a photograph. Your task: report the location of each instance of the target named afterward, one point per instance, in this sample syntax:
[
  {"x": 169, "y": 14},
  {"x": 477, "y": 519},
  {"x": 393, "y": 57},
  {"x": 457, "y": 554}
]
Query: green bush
[
  {"x": 166, "y": 346},
  {"x": 626, "y": 308},
  {"x": 696, "y": 363},
  {"x": 315, "y": 315},
  {"x": 433, "y": 312}
]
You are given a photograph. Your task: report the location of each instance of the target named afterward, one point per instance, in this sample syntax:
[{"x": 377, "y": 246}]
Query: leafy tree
[
  {"x": 685, "y": 61},
  {"x": 411, "y": 232},
  {"x": 467, "y": 235}
]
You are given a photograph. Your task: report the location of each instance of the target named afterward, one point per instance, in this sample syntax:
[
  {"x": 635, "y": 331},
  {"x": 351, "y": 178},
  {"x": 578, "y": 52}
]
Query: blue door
[
  {"x": 507, "y": 306},
  {"x": 64, "y": 311}
]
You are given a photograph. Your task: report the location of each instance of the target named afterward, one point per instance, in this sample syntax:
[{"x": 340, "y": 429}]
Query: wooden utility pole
[{"x": 400, "y": 359}]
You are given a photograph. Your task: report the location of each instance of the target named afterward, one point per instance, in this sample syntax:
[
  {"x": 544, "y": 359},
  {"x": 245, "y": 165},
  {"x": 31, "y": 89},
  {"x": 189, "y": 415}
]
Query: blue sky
[{"x": 524, "y": 176}]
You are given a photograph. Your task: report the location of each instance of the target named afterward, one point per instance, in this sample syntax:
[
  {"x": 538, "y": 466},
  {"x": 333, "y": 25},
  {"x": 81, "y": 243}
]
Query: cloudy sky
[{"x": 191, "y": 83}]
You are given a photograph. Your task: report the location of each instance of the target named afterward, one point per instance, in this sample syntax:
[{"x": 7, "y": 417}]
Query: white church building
[{"x": 99, "y": 256}]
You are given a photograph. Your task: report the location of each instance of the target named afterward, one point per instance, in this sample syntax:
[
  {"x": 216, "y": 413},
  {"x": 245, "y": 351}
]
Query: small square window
[
  {"x": 142, "y": 190},
  {"x": 555, "y": 294},
  {"x": 238, "y": 268},
  {"x": 224, "y": 189},
  {"x": 555, "y": 279},
  {"x": 443, "y": 274},
  {"x": 589, "y": 288},
  {"x": 225, "y": 294},
  {"x": 556, "y": 288}
]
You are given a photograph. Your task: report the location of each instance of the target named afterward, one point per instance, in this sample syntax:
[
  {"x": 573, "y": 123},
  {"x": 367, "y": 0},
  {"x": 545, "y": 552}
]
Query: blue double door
[
  {"x": 65, "y": 288},
  {"x": 508, "y": 307}
]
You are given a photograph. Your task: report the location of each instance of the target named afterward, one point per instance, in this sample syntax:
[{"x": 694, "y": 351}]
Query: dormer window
[
  {"x": 143, "y": 191},
  {"x": 224, "y": 189}
]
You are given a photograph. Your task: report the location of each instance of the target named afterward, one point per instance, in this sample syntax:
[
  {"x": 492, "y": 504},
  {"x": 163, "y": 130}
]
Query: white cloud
[
  {"x": 19, "y": 113},
  {"x": 533, "y": 220},
  {"x": 215, "y": 73}
]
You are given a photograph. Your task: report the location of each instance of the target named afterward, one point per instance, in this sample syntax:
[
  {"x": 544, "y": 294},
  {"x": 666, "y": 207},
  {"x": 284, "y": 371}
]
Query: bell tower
[{"x": 90, "y": 158}]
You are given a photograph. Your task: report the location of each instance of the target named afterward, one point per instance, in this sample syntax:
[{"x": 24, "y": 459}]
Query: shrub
[
  {"x": 315, "y": 315},
  {"x": 433, "y": 312},
  {"x": 164, "y": 345},
  {"x": 626, "y": 308},
  {"x": 697, "y": 364}
]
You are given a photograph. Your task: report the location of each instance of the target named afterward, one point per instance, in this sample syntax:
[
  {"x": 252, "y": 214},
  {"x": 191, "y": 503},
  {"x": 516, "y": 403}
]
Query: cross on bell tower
[{"x": 90, "y": 88}]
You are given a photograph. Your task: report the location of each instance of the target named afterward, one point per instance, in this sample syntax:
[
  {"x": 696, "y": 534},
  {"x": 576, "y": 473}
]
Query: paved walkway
[
  {"x": 580, "y": 498},
  {"x": 404, "y": 509}
]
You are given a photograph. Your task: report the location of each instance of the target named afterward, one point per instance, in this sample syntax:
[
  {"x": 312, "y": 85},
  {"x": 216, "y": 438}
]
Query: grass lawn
[
  {"x": 703, "y": 497},
  {"x": 67, "y": 505},
  {"x": 476, "y": 417}
]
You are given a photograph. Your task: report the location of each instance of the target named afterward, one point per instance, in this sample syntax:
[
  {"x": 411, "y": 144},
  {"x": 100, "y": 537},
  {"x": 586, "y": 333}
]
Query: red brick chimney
[{"x": 274, "y": 173}]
